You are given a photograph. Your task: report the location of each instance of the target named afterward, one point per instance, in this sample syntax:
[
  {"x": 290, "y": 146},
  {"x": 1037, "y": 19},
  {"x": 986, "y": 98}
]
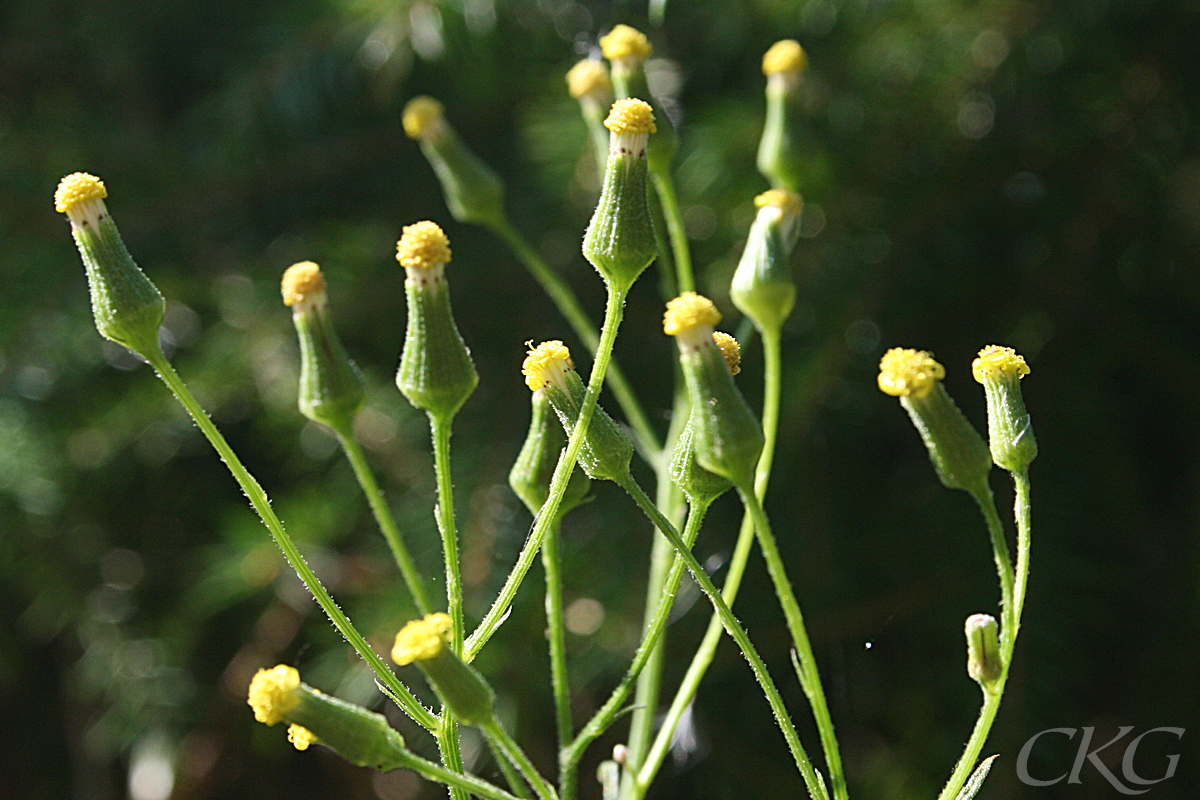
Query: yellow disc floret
[
  {"x": 302, "y": 281},
  {"x": 904, "y": 372},
  {"x": 730, "y": 349},
  {"x": 625, "y": 42},
  {"x": 630, "y": 116},
  {"x": 421, "y": 116},
  {"x": 544, "y": 359},
  {"x": 76, "y": 188},
  {"x": 778, "y": 198},
  {"x": 423, "y": 245},
  {"x": 995, "y": 361},
  {"x": 301, "y": 737},
  {"x": 784, "y": 56},
  {"x": 687, "y": 311},
  {"x": 273, "y": 693},
  {"x": 421, "y": 639},
  {"x": 587, "y": 77}
]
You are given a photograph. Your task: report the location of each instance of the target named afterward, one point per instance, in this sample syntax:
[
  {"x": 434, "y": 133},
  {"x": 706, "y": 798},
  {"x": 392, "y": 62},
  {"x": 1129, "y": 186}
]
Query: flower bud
[
  {"x": 461, "y": 687},
  {"x": 700, "y": 486},
  {"x": 436, "y": 372},
  {"x": 778, "y": 150},
  {"x": 983, "y": 650},
  {"x": 1010, "y": 431},
  {"x": 127, "y": 307},
  {"x": 956, "y": 449},
  {"x": 533, "y": 470},
  {"x": 627, "y": 49},
  {"x": 362, "y": 737},
  {"x": 588, "y": 82},
  {"x": 607, "y": 449},
  {"x": 331, "y": 388},
  {"x": 726, "y": 436},
  {"x": 762, "y": 287},
  {"x": 619, "y": 241},
  {"x": 474, "y": 192}
]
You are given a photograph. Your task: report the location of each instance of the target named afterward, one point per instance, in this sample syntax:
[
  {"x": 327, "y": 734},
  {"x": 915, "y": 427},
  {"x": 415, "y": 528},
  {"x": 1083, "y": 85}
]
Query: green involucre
[
  {"x": 727, "y": 437},
  {"x": 362, "y": 737},
  {"x": 607, "y": 449},
  {"x": 959, "y": 455},
  {"x": 532, "y": 471},
  {"x": 127, "y": 307},
  {"x": 620, "y": 241},
  {"x": 331, "y": 388},
  {"x": 474, "y": 192},
  {"x": 436, "y": 372}
]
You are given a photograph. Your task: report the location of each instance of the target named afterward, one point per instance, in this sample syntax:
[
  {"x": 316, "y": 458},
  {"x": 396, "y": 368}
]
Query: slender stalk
[
  {"x": 568, "y": 305},
  {"x": 987, "y": 506},
  {"x": 466, "y": 783},
  {"x": 513, "y": 778},
  {"x": 810, "y": 679},
  {"x": 499, "y": 737},
  {"x": 262, "y": 505},
  {"x": 772, "y": 387},
  {"x": 614, "y": 312},
  {"x": 1010, "y": 626},
  {"x": 812, "y": 780},
  {"x": 556, "y": 626},
  {"x": 440, "y": 427},
  {"x": 665, "y": 187},
  {"x": 652, "y": 636},
  {"x": 449, "y": 750},
  {"x": 385, "y": 519}
]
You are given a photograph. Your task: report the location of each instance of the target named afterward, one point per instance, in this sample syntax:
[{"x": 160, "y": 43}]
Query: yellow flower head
[
  {"x": 687, "y": 311},
  {"x": 421, "y": 639},
  {"x": 544, "y": 361},
  {"x": 788, "y": 202},
  {"x": 587, "y": 77},
  {"x": 76, "y": 188},
  {"x": 784, "y": 56},
  {"x": 421, "y": 117},
  {"x": 301, "y": 737},
  {"x": 624, "y": 42},
  {"x": 302, "y": 281},
  {"x": 273, "y": 693},
  {"x": 631, "y": 116},
  {"x": 423, "y": 245},
  {"x": 995, "y": 361},
  {"x": 730, "y": 349},
  {"x": 904, "y": 372}
]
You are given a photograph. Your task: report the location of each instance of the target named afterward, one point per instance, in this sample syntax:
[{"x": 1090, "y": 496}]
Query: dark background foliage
[{"x": 992, "y": 171}]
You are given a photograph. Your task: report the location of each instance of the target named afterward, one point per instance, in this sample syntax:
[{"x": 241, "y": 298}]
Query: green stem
[
  {"x": 262, "y": 505},
  {"x": 449, "y": 750},
  {"x": 496, "y": 734},
  {"x": 468, "y": 784},
  {"x": 511, "y": 776},
  {"x": 772, "y": 386},
  {"x": 440, "y": 427},
  {"x": 987, "y": 506},
  {"x": 551, "y": 562},
  {"x": 568, "y": 305},
  {"x": 665, "y": 187},
  {"x": 1008, "y": 642},
  {"x": 810, "y": 679},
  {"x": 652, "y": 636},
  {"x": 385, "y": 519},
  {"x": 812, "y": 780}
]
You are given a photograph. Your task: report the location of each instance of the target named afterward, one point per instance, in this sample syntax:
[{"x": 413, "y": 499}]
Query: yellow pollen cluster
[
  {"x": 301, "y": 281},
  {"x": 75, "y": 188},
  {"x": 779, "y": 198},
  {"x": 625, "y": 42},
  {"x": 586, "y": 77},
  {"x": 301, "y": 737},
  {"x": 631, "y": 116},
  {"x": 995, "y": 361},
  {"x": 904, "y": 372},
  {"x": 687, "y": 311},
  {"x": 539, "y": 361},
  {"x": 730, "y": 349},
  {"x": 273, "y": 693},
  {"x": 784, "y": 56},
  {"x": 421, "y": 115},
  {"x": 421, "y": 639},
  {"x": 423, "y": 245}
]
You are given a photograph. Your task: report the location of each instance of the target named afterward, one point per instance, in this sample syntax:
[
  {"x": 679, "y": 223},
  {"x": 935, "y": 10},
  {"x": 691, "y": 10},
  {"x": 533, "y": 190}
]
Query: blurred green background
[{"x": 991, "y": 171}]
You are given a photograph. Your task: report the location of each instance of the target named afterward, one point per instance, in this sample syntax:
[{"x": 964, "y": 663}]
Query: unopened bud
[
  {"x": 1010, "y": 430},
  {"x": 127, "y": 307},
  {"x": 533, "y": 470},
  {"x": 778, "y": 150},
  {"x": 762, "y": 285},
  {"x": 627, "y": 49},
  {"x": 436, "y": 372},
  {"x": 464, "y": 691},
  {"x": 331, "y": 388},
  {"x": 983, "y": 649}
]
